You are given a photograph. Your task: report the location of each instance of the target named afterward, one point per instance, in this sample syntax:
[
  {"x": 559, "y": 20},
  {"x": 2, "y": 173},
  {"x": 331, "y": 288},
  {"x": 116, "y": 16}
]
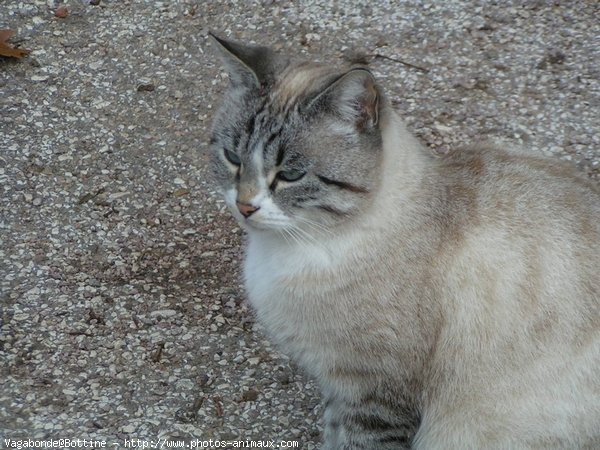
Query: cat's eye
[
  {"x": 290, "y": 175},
  {"x": 232, "y": 158}
]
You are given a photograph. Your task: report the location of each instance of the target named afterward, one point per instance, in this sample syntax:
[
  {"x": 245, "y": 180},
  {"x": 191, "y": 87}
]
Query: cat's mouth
[{"x": 255, "y": 223}]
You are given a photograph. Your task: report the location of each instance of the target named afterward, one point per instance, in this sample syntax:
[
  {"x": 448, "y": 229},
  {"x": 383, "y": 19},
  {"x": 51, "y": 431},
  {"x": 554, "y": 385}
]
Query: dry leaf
[{"x": 7, "y": 50}]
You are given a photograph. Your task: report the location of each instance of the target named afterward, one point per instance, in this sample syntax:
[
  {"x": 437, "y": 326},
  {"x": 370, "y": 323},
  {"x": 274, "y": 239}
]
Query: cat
[{"x": 440, "y": 302}]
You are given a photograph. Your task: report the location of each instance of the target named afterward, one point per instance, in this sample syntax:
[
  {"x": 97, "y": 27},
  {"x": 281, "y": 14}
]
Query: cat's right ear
[
  {"x": 249, "y": 66},
  {"x": 354, "y": 96}
]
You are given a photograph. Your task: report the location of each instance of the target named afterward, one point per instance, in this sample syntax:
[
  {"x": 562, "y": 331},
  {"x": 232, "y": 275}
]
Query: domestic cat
[{"x": 441, "y": 302}]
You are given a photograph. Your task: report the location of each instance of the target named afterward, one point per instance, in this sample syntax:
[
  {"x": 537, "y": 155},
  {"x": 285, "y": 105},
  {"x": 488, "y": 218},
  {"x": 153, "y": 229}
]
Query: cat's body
[{"x": 441, "y": 303}]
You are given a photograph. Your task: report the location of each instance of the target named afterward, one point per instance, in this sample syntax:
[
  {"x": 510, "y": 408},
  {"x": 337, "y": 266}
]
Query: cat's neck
[{"x": 404, "y": 165}]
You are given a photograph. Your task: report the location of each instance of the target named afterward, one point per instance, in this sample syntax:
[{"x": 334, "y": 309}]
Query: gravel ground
[{"x": 122, "y": 311}]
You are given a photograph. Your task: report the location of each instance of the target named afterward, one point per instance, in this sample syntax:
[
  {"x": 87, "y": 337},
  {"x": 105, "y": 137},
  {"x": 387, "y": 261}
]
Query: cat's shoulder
[
  {"x": 491, "y": 172},
  {"x": 475, "y": 157}
]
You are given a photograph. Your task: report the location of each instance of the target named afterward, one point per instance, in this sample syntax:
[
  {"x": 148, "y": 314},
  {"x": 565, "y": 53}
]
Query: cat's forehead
[{"x": 298, "y": 82}]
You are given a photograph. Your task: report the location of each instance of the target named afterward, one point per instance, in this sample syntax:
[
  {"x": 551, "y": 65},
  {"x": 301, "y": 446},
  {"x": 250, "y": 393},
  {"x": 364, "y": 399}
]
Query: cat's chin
[
  {"x": 253, "y": 227},
  {"x": 258, "y": 226}
]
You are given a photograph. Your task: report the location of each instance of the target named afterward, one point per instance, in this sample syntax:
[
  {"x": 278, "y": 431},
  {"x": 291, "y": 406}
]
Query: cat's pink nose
[{"x": 246, "y": 209}]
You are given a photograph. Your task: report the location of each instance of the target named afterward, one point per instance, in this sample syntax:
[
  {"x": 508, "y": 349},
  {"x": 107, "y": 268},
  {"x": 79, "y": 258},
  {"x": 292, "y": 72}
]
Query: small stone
[
  {"x": 37, "y": 201},
  {"x": 184, "y": 415},
  {"x": 313, "y": 37},
  {"x": 61, "y": 12},
  {"x": 117, "y": 195},
  {"x": 203, "y": 380},
  {"x": 220, "y": 319},
  {"x": 145, "y": 87},
  {"x": 128, "y": 429},
  {"x": 181, "y": 192},
  {"x": 442, "y": 128},
  {"x": 185, "y": 384},
  {"x": 464, "y": 82},
  {"x": 163, "y": 313},
  {"x": 250, "y": 395}
]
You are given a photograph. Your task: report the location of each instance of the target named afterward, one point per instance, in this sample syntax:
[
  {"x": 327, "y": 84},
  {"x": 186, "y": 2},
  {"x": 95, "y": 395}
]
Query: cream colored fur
[{"x": 491, "y": 302}]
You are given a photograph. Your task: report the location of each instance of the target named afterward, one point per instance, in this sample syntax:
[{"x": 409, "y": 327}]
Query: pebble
[
  {"x": 163, "y": 313},
  {"x": 145, "y": 87},
  {"x": 250, "y": 395},
  {"x": 61, "y": 12}
]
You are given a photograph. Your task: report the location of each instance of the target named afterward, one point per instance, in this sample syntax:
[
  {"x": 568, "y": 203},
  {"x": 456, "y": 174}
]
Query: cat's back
[
  {"x": 520, "y": 233},
  {"x": 519, "y": 266},
  {"x": 518, "y": 189},
  {"x": 501, "y": 206}
]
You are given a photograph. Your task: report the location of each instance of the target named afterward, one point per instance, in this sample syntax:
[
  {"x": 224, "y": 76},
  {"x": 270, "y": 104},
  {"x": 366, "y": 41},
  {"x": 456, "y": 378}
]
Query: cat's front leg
[{"x": 366, "y": 426}]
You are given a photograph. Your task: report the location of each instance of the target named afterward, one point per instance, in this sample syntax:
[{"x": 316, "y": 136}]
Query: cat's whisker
[
  {"x": 319, "y": 228},
  {"x": 294, "y": 236},
  {"x": 309, "y": 239},
  {"x": 312, "y": 229},
  {"x": 306, "y": 237},
  {"x": 284, "y": 234},
  {"x": 302, "y": 237}
]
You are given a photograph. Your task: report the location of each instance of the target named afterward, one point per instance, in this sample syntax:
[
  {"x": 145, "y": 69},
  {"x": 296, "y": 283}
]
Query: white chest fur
[
  {"x": 273, "y": 266},
  {"x": 301, "y": 296},
  {"x": 286, "y": 283},
  {"x": 317, "y": 305}
]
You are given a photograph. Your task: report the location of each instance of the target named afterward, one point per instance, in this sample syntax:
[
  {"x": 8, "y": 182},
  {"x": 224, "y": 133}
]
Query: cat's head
[{"x": 295, "y": 145}]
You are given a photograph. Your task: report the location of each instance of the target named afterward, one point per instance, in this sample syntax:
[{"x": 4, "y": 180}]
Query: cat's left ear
[
  {"x": 250, "y": 66},
  {"x": 354, "y": 97}
]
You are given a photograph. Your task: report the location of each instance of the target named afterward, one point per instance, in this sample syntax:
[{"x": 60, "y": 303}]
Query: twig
[{"x": 407, "y": 64}]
